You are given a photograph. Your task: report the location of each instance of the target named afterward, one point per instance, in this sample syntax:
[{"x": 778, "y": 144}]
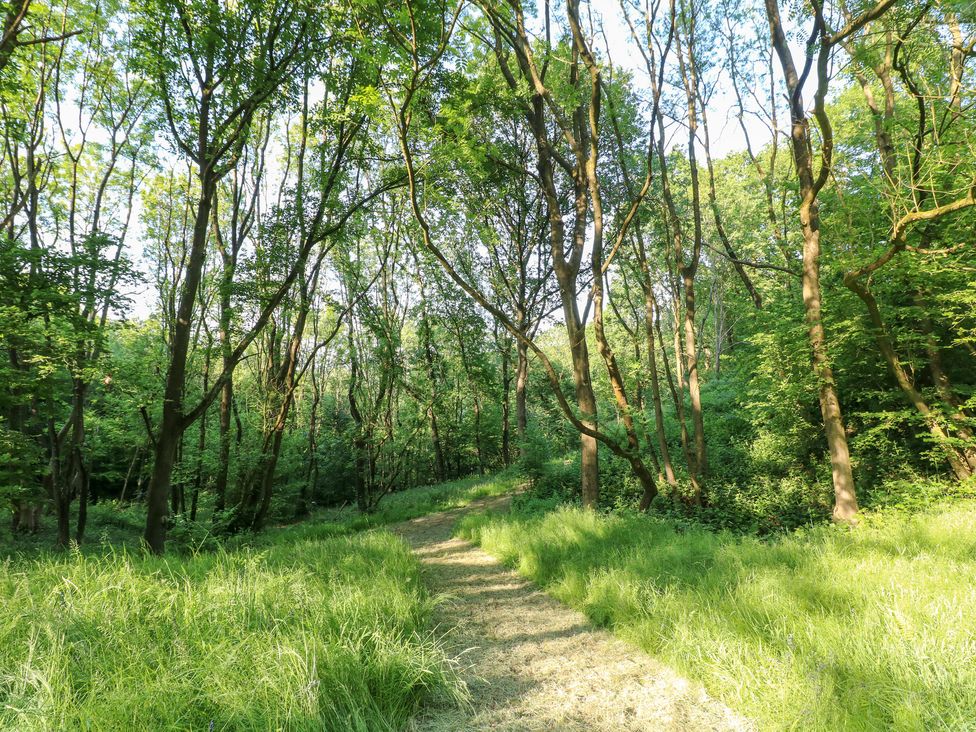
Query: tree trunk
[
  {"x": 694, "y": 387},
  {"x": 201, "y": 439},
  {"x": 128, "y": 474},
  {"x": 521, "y": 386},
  {"x": 957, "y": 459},
  {"x": 82, "y": 478},
  {"x": 845, "y": 499},
  {"x": 662, "y": 442},
  {"x": 226, "y": 400},
  {"x": 312, "y": 474},
  {"x": 78, "y": 475},
  {"x": 440, "y": 462},
  {"x": 603, "y": 345},
  {"x": 585, "y": 399},
  {"x": 172, "y": 426},
  {"x": 59, "y": 491},
  {"x": 506, "y": 407},
  {"x": 359, "y": 443},
  {"x": 688, "y": 269}
]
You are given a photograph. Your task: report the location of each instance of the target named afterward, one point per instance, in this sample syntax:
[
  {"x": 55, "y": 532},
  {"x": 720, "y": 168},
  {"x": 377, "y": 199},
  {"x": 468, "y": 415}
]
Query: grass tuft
[{"x": 414, "y": 502}]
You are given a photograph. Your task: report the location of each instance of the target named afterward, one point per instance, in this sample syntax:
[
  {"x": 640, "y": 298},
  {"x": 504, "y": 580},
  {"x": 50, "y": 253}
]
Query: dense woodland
[{"x": 263, "y": 256}]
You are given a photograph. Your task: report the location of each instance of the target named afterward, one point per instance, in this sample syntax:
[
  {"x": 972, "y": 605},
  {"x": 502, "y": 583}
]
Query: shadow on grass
[{"x": 825, "y": 629}]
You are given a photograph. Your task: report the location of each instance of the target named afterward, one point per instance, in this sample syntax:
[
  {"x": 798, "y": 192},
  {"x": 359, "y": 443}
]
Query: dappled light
[{"x": 530, "y": 663}]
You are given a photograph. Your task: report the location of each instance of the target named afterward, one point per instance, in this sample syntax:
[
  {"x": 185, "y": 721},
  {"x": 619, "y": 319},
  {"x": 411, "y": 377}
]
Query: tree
[
  {"x": 810, "y": 185},
  {"x": 210, "y": 98}
]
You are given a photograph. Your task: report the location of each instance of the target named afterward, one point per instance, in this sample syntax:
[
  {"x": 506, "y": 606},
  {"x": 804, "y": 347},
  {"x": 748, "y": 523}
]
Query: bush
[
  {"x": 548, "y": 476},
  {"x": 20, "y": 463}
]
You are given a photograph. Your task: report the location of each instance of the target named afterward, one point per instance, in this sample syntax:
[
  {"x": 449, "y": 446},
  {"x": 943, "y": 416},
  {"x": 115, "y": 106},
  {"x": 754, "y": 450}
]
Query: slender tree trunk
[
  {"x": 359, "y": 442},
  {"x": 475, "y": 397},
  {"x": 83, "y": 483},
  {"x": 585, "y": 399},
  {"x": 226, "y": 400},
  {"x": 944, "y": 388},
  {"x": 201, "y": 439},
  {"x": 662, "y": 442},
  {"x": 440, "y": 461},
  {"x": 719, "y": 224},
  {"x": 689, "y": 72},
  {"x": 678, "y": 389},
  {"x": 506, "y": 407},
  {"x": 60, "y": 493},
  {"x": 312, "y": 474},
  {"x": 719, "y": 329},
  {"x": 521, "y": 386},
  {"x": 957, "y": 459},
  {"x": 845, "y": 499},
  {"x": 287, "y": 383},
  {"x": 78, "y": 477},
  {"x": 128, "y": 473},
  {"x": 603, "y": 345},
  {"x": 694, "y": 387},
  {"x": 477, "y": 435},
  {"x": 172, "y": 426}
]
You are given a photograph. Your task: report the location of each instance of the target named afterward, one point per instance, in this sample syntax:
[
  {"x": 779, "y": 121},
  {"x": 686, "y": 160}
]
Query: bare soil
[{"x": 530, "y": 662}]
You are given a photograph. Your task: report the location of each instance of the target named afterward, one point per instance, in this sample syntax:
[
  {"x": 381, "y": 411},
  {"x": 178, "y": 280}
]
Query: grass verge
[
  {"x": 826, "y": 629},
  {"x": 311, "y": 632}
]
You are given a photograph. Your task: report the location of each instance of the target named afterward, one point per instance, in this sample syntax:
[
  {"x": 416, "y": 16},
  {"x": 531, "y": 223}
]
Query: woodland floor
[{"x": 530, "y": 662}]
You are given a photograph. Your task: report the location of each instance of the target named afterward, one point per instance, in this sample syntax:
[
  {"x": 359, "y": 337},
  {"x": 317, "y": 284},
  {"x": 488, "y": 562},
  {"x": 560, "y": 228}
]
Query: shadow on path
[{"x": 530, "y": 662}]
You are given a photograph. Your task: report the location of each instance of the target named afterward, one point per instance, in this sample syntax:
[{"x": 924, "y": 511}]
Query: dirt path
[{"x": 532, "y": 663}]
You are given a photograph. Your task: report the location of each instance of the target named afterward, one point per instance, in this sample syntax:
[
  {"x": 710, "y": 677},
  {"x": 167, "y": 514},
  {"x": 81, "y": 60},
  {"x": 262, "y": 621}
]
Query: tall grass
[
  {"x": 826, "y": 629},
  {"x": 312, "y": 632}
]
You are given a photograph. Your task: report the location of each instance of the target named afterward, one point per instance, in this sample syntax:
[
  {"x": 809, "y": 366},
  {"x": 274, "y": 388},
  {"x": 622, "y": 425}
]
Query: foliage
[{"x": 20, "y": 461}]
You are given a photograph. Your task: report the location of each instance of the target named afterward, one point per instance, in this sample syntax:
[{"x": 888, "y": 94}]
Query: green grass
[
  {"x": 408, "y": 504},
  {"x": 112, "y": 526},
  {"x": 318, "y": 626},
  {"x": 825, "y": 629},
  {"x": 311, "y": 632}
]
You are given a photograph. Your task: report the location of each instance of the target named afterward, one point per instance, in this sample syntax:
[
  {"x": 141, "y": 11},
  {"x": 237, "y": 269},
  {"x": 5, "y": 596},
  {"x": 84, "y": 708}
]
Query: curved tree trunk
[{"x": 845, "y": 499}]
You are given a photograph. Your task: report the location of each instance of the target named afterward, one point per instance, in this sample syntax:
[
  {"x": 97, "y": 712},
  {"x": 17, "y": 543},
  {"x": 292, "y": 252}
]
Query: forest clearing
[{"x": 503, "y": 364}]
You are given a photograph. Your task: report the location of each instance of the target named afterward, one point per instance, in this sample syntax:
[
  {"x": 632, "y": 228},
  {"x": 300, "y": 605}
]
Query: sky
[{"x": 724, "y": 130}]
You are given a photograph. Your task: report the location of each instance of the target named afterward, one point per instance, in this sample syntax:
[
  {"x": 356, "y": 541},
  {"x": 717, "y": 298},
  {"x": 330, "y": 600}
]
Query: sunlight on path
[{"x": 532, "y": 663}]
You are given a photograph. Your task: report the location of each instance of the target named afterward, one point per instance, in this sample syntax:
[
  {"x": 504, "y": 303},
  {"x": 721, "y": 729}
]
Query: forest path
[{"x": 532, "y": 663}]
